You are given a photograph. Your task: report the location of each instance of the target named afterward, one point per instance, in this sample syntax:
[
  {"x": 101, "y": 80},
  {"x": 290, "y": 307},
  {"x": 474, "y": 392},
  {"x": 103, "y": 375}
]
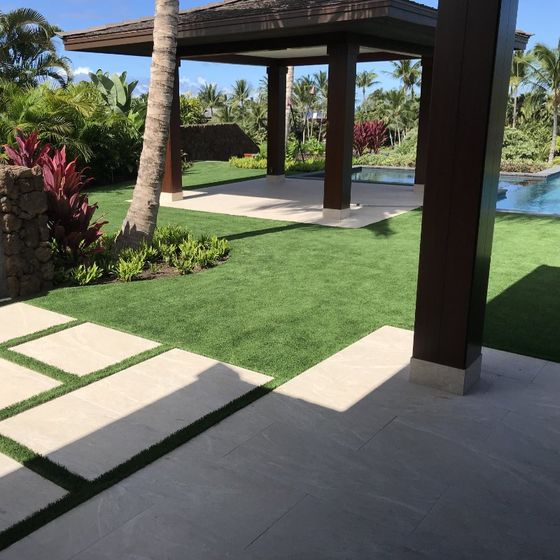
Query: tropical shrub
[
  {"x": 69, "y": 213},
  {"x": 292, "y": 166},
  {"x": 83, "y": 274},
  {"x": 29, "y": 152},
  {"x": 520, "y": 146},
  {"x": 174, "y": 250},
  {"x": 369, "y": 136}
]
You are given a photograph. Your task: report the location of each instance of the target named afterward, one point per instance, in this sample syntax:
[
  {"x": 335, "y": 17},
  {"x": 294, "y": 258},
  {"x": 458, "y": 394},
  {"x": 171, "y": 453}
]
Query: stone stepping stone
[
  {"x": 23, "y": 492},
  {"x": 18, "y": 383},
  {"x": 21, "y": 319},
  {"x": 98, "y": 427},
  {"x": 85, "y": 349}
]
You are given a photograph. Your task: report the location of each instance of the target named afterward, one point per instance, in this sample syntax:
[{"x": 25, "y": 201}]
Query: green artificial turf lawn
[{"x": 291, "y": 294}]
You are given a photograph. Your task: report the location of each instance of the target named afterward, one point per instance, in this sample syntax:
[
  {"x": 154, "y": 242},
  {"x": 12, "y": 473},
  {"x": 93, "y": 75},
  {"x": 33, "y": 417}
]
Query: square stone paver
[
  {"x": 18, "y": 383},
  {"x": 85, "y": 349},
  {"x": 23, "y": 492},
  {"x": 21, "y": 319},
  {"x": 98, "y": 427}
]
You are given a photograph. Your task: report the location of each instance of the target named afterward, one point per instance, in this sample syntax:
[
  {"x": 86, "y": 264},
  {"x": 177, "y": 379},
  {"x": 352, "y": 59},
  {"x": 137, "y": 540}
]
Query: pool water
[
  {"x": 387, "y": 176},
  {"x": 515, "y": 195},
  {"x": 533, "y": 198}
]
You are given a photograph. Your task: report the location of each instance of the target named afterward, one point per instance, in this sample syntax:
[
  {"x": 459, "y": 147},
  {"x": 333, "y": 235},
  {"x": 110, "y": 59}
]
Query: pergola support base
[
  {"x": 167, "y": 197},
  {"x": 447, "y": 378},
  {"x": 336, "y": 214},
  {"x": 275, "y": 179}
]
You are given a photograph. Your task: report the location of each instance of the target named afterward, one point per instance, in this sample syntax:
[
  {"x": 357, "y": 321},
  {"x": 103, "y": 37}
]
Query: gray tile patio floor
[{"x": 346, "y": 461}]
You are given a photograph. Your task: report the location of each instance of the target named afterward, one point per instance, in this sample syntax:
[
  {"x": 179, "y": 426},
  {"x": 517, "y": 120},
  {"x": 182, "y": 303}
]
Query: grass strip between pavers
[{"x": 82, "y": 492}]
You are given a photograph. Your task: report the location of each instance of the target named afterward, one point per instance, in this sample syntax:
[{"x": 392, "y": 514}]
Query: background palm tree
[
  {"x": 241, "y": 94},
  {"x": 141, "y": 218},
  {"x": 546, "y": 76},
  {"x": 365, "y": 80},
  {"x": 519, "y": 75},
  {"x": 211, "y": 97},
  {"x": 289, "y": 101},
  {"x": 409, "y": 73},
  {"x": 27, "y": 51}
]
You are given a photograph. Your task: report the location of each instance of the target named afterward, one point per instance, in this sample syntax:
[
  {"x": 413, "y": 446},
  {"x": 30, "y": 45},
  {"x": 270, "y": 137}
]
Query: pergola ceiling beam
[{"x": 250, "y": 60}]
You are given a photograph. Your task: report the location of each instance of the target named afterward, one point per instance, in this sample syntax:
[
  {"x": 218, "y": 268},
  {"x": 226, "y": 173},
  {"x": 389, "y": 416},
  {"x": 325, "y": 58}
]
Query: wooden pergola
[{"x": 466, "y": 49}]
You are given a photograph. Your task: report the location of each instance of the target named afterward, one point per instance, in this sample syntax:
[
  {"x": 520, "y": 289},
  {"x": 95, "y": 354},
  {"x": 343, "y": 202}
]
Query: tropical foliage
[
  {"x": 70, "y": 215},
  {"x": 28, "y": 54}
]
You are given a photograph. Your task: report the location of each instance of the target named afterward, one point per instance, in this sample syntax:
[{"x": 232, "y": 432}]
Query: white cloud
[{"x": 82, "y": 71}]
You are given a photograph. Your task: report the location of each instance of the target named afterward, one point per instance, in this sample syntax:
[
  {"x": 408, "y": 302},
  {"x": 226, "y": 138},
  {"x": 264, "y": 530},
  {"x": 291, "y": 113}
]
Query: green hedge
[{"x": 292, "y": 166}]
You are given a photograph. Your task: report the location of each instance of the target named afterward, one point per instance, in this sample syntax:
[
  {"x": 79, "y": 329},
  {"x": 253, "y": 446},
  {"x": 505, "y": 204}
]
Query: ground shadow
[{"x": 525, "y": 318}]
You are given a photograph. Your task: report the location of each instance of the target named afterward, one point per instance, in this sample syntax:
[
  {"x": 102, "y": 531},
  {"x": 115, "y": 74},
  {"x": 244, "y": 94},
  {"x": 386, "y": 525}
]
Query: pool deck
[{"x": 300, "y": 200}]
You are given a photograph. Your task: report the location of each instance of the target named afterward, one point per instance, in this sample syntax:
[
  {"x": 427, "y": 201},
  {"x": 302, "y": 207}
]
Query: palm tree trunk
[
  {"x": 554, "y": 137},
  {"x": 289, "y": 95},
  {"x": 514, "y": 120},
  {"x": 141, "y": 219}
]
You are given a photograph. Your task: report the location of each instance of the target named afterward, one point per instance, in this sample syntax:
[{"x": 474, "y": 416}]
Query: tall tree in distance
[
  {"x": 27, "y": 51},
  {"x": 519, "y": 74},
  {"x": 409, "y": 73},
  {"x": 141, "y": 219},
  {"x": 211, "y": 97},
  {"x": 546, "y": 76},
  {"x": 289, "y": 95},
  {"x": 365, "y": 80}
]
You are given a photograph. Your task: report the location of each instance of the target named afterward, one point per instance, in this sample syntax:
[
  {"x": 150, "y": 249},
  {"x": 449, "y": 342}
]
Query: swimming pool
[
  {"x": 516, "y": 195},
  {"x": 532, "y": 198}
]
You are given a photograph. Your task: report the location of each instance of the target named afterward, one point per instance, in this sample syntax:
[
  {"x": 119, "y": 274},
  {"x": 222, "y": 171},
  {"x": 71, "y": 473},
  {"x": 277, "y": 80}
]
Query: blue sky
[{"x": 540, "y": 17}]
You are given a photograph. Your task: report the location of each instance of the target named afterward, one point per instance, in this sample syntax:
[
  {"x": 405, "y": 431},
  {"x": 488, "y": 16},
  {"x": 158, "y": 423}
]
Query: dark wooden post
[
  {"x": 472, "y": 62},
  {"x": 423, "y": 124},
  {"x": 276, "y": 143},
  {"x": 340, "y": 132},
  {"x": 172, "y": 187}
]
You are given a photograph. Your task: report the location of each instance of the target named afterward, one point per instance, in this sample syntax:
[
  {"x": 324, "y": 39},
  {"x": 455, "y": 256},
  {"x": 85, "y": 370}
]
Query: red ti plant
[
  {"x": 29, "y": 151},
  {"x": 369, "y": 136},
  {"x": 69, "y": 212}
]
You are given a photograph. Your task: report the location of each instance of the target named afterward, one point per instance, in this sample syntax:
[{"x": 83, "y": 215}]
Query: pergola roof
[{"x": 272, "y": 31}]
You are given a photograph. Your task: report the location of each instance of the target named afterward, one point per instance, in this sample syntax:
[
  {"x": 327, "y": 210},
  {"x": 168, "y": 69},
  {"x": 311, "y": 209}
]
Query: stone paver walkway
[
  {"x": 347, "y": 461},
  {"x": 21, "y": 319},
  {"x": 300, "y": 200},
  {"x": 18, "y": 383},
  {"x": 22, "y": 492},
  {"x": 85, "y": 349},
  {"x": 102, "y": 425}
]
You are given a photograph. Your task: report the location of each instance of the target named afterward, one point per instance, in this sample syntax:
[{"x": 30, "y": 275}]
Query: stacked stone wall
[{"x": 26, "y": 265}]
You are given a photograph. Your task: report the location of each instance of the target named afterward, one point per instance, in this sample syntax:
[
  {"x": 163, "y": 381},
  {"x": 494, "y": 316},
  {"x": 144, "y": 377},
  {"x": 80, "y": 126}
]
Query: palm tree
[
  {"x": 394, "y": 109},
  {"x": 241, "y": 94},
  {"x": 409, "y": 73},
  {"x": 141, "y": 219},
  {"x": 211, "y": 97},
  {"x": 519, "y": 74},
  {"x": 546, "y": 76},
  {"x": 27, "y": 51},
  {"x": 289, "y": 101},
  {"x": 321, "y": 80},
  {"x": 365, "y": 80}
]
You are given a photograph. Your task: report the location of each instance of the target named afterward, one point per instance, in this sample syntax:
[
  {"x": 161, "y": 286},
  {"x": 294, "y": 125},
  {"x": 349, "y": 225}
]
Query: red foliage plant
[
  {"x": 69, "y": 212},
  {"x": 29, "y": 151},
  {"x": 369, "y": 136}
]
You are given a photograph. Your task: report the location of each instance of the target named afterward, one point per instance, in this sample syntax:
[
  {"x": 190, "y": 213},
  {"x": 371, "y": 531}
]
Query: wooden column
[
  {"x": 424, "y": 123},
  {"x": 340, "y": 132},
  {"x": 276, "y": 143},
  {"x": 172, "y": 186},
  {"x": 472, "y": 62}
]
